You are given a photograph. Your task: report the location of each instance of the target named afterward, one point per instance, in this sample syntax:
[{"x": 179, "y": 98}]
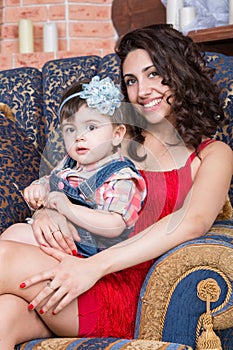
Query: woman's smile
[{"x": 152, "y": 103}]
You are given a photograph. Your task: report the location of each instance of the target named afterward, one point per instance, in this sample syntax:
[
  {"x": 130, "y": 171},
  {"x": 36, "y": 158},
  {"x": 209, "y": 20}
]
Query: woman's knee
[
  {"x": 5, "y": 250},
  {"x": 15, "y": 232}
]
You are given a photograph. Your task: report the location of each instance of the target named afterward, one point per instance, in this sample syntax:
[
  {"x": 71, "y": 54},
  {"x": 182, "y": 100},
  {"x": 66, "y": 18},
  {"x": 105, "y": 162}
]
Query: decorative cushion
[
  {"x": 21, "y": 90},
  {"x": 19, "y": 166},
  {"x": 99, "y": 343}
]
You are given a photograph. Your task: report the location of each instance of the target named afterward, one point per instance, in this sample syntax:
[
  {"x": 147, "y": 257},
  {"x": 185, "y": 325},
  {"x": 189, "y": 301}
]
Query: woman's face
[{"x": 144, "y": 86}]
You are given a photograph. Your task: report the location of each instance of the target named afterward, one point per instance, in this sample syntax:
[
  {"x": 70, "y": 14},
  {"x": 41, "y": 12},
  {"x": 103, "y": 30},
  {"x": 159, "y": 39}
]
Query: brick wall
[{"x": 84, "y": 27}]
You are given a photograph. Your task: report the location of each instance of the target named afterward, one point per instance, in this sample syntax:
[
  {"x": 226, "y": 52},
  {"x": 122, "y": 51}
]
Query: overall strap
[{"x": 88, "y": 187}]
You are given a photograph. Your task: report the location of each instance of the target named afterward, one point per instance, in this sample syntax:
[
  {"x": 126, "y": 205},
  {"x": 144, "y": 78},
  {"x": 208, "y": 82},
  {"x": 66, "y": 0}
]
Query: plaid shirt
[{"x": 123, "y": 193}]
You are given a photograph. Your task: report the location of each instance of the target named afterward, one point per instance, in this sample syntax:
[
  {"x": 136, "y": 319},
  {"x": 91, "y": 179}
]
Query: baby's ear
[{"x": 118, "y": 134}]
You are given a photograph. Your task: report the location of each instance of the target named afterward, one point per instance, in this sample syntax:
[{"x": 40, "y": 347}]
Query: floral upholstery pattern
[
  {"x": 110, "y": 66},
  {"x": 21, "y": 90},
  {"x": 224, "y": 78},
  {"x": 19, "y": 164}
]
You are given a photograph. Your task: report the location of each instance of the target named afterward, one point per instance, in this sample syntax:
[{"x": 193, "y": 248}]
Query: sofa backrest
[{"x": 34, "y": 96}]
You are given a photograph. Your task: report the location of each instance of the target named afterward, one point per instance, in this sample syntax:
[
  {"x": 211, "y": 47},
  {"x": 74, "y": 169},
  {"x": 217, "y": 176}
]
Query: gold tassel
[
  {"x": 209, "y": 291},
  {"x": 208, "y": 339}
]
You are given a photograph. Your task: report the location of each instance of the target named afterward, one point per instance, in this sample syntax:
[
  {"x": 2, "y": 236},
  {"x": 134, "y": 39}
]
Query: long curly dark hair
[{"x": 196, "y": 106}]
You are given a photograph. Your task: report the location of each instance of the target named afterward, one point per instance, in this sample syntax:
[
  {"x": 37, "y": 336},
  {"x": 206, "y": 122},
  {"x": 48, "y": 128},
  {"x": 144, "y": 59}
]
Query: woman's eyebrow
[
  {"x": 147, "y": 68},
  {"x": 143, "y": 70}
]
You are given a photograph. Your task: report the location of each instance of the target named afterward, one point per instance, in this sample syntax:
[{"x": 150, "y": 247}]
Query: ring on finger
[
  {"x": 55, "y": 231},
  {"x": 49, "y": 285}
]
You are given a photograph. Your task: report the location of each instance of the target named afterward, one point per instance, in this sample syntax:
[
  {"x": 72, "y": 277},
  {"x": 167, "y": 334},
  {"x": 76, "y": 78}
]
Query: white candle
[
  {"x": 50, "y": 37},
  {"x": 172, "y": 12},
  {"x": 230, "y": 11},
  {"x": 187, "y": 16},
  {"x": 26, "y": 41}
]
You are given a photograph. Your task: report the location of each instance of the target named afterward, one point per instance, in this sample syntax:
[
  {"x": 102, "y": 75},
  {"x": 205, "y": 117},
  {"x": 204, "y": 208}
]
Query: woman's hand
[
  {"x": 70, "y": 278},
  {"x": 52, "y": 229}
]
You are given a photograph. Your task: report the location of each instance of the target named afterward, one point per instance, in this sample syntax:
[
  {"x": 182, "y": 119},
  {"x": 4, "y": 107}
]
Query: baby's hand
[
  {"x": 58, "y": 201},
  {"x": 36, "y": 194}
]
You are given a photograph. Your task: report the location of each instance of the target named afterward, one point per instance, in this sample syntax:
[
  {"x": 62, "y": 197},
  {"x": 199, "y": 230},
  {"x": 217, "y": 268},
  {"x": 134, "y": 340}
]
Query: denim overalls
[{"x": 90, "y": 243}]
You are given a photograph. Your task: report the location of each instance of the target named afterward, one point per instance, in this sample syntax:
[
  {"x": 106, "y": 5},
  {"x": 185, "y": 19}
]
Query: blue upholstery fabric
[
  {"x": 19, "y": 164},
  {"x": 224, "y": 78},
  {"x": 21, "y": 90}
]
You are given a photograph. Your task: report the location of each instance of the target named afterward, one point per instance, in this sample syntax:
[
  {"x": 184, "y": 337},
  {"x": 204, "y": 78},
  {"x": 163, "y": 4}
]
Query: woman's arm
[{"x": 205, "y": 200}]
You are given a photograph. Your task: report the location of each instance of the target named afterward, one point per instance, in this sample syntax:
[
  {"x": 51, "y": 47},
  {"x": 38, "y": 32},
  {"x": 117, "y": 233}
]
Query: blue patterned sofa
[{"x": 182, "y": 283}]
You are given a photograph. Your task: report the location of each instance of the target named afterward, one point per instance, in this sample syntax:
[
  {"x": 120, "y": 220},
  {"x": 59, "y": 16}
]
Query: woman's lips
[{"x": 152, "y": 103}]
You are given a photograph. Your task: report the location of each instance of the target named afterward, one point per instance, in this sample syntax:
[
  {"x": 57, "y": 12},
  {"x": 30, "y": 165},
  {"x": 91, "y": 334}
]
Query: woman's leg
[
  {"x": 19, "y": 233},
  {"x": 18, "y": 324},
  {"x": 17, "y": 262}
]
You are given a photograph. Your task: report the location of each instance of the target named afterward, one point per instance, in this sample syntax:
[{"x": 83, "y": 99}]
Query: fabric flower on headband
[{"x": 103, "y": 95}]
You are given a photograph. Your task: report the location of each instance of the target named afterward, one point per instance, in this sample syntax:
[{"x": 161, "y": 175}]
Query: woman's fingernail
[
  {"x": 31, "y": 306},
  {"x": 74, "y": 252},
  {"x": 54, "y": 313},
  {"x": 22, "y": 285},
  {"x": 43, "y": 245},
  {"x": 41, "y": 312}
]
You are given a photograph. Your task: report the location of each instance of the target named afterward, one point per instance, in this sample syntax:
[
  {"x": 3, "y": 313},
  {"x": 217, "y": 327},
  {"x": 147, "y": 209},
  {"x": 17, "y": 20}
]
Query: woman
[{"x": 188, "y": 177}]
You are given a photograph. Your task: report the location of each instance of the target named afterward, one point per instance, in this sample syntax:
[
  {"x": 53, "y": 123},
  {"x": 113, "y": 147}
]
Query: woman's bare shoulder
[{"x": 218, "y": 146}]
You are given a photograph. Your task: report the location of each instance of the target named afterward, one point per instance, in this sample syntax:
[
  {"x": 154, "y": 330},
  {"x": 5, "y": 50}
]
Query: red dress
[{"x": 109, "y": 308}]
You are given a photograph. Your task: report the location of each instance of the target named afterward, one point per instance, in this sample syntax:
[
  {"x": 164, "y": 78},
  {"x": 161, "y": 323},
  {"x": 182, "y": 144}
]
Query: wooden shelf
[
  {"x": 212, "y": 34},
  {"x": 218, "y": 39}
]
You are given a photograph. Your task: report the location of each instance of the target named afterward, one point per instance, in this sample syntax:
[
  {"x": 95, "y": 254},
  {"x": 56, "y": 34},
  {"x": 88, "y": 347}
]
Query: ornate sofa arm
[{"x": 169, "y": 306}]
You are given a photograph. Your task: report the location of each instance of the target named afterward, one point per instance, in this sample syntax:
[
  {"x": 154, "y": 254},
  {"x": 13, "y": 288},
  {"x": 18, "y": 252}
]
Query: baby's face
[{"x": 88, "y": 135}]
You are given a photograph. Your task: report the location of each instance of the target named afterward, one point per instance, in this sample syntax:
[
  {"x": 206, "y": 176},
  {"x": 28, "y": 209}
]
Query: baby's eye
[
  {"x": 91, "y": 127},
  {"x": 68, "y": 130}
]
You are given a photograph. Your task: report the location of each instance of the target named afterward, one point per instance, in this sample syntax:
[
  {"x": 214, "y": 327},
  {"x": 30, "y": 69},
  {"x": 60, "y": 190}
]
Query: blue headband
[{"x": 103, "y": 95}]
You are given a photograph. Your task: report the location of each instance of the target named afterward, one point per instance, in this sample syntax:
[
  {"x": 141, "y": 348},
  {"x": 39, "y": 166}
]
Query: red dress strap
[{"x": 200, "y": 148}]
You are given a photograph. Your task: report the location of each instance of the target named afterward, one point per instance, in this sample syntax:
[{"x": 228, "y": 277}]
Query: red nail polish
[
  {"x": 54, "y": 313},
  {"x": 74, "y": 252},
  {"x": 22, "y": 285},
  {"x": 41, "y": 312},
  {"x": 31, "y": 306}
]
